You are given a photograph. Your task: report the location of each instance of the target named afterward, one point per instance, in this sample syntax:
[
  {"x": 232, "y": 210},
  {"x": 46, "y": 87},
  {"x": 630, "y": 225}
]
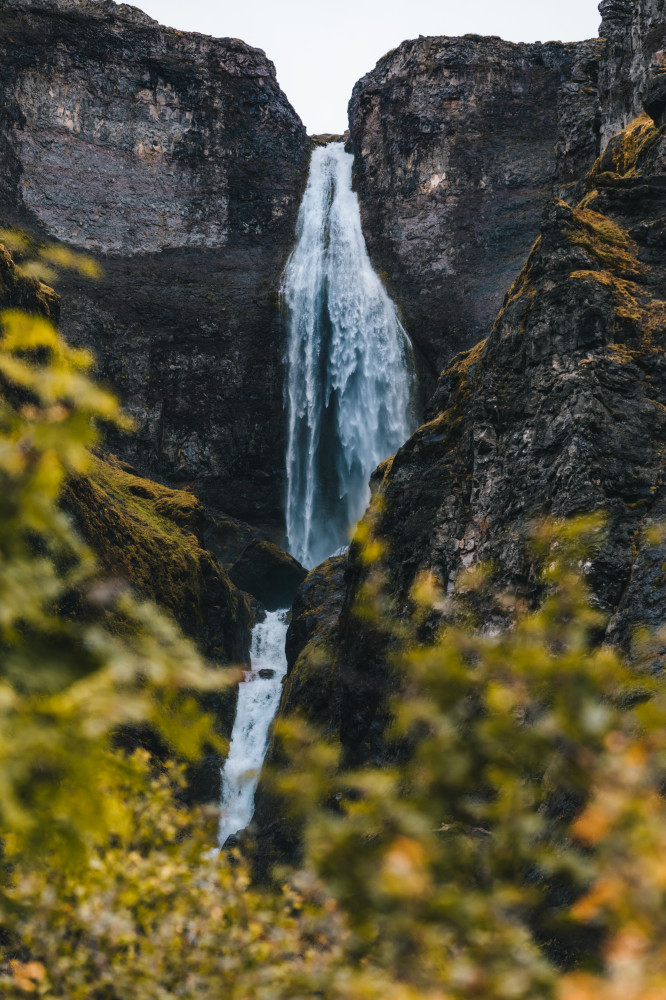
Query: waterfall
[
  {"x": 350, "y": 369},
  {"x": 258, "y": 699},
  {"x": 351, "y": 390}
]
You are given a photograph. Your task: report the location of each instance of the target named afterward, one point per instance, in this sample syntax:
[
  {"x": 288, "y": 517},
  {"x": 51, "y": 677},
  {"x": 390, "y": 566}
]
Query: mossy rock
[
  {"x": 624, "y": 153},
  {"x": 149, "y": 535},
  {"x": 227, "y": 538}
]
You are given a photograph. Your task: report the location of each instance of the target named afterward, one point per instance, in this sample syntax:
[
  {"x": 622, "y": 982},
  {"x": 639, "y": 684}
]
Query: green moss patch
[
  {"x": 606, "y": 243},
  {"x": 624, "y": 152},
  {"x": 147, "y": 534}
]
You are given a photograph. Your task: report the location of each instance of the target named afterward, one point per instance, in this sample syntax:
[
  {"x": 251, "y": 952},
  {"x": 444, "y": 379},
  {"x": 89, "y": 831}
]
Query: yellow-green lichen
[
  {"x": 145, "y": 533},
  {"x": 606, "y": 243},
  {"x": 623, "y": 154}
]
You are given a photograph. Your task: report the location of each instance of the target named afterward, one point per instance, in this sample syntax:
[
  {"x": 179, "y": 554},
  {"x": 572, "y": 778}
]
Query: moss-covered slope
[{"x": 150, "y": 535}]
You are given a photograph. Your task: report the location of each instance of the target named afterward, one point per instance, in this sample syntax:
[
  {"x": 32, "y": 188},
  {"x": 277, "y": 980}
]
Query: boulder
[{"x": 268, "y": 573}]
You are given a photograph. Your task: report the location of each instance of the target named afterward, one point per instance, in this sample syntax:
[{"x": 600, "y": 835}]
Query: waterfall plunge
[
  {"x": 351, "y": 388},
  {"x": 351, "y": 381}
]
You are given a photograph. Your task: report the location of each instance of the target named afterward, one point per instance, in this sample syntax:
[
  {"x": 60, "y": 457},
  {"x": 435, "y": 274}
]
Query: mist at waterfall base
[
  {"x": 351, "y": 382},
  {"x": 351, "y": 395}
]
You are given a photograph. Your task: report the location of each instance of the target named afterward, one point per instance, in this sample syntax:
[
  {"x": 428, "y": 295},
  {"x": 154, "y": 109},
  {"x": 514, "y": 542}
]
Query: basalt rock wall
[
  {"x": 633, "y": 72},
  {"x": 458, "y": 143},
  {"x": 177, "y": 161},
  {"x": 559, "y": 412}
]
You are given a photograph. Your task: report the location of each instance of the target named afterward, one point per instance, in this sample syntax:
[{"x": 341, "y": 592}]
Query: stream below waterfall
[
  {"x": 258, "y": 700},
  {"x": 351, "y": 390}
]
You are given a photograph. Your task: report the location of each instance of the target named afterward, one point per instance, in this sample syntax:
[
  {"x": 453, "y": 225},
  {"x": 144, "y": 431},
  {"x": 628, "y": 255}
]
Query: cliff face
[
  {"x": 145, "y": 534},
  {"x": 561, "y": 411},
  {"x": 634, "y": 67},
  {"x": 178, "y": 161},
  {"x": 458, "y": 143}
]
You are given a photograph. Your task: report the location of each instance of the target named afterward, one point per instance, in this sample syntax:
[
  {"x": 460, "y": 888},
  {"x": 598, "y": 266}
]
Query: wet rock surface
[
  {"x": 312, "y": 692},
  {"x": 176, "y": 159},
  {"x": 458, "y": 144}
]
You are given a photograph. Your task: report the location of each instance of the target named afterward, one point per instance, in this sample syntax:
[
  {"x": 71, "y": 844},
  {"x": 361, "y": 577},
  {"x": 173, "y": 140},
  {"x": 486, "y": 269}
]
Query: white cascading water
[
  {"x": 351, "y": 391},
  {"x": 258, "y": 700},
  {"x": 351, "y": 380}
]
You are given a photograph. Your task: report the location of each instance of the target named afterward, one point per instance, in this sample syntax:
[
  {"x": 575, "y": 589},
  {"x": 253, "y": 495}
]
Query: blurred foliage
[
  {"x": 530, "y": 765},
  {"x": 67, "y": 682},
  {"x": 45, "y": 260},
  {"x": 514, "y": 849}
]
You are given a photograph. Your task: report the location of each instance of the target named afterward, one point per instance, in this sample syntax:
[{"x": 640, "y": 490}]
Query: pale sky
[{"x": 321, "y": 49}]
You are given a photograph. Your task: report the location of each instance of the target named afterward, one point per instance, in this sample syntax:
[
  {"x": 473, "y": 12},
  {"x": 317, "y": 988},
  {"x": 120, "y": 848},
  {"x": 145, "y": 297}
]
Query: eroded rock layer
[{"x": 176, "y": 159}]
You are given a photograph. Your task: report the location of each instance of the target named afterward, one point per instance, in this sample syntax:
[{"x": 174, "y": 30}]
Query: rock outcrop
[
  {"x": 151, "y": 537},
  {"x": 633, "y": 73},
  {"x": 458, "y": 144},
  {"x": 176, "y": 160},
  {"x": 269, "y": 574}
]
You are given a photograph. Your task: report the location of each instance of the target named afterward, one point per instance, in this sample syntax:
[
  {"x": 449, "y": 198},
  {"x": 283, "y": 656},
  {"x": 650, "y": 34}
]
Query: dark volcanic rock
[
  {"x": 269, "y": 574},
  {"x": 179, "y": 162},
  {"x": 455, "y": 155},
  {"x": 561, "y": 411},
  {"x": 226, "y": 537},
  {"x": 149, "y": 536},
  {"x": 314, "y": 615},
  {"x": 633, "y": 73}
]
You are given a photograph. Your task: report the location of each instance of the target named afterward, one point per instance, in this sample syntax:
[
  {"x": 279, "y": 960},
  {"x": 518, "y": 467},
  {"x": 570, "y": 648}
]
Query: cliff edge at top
[{"x": 179, "y": 162}]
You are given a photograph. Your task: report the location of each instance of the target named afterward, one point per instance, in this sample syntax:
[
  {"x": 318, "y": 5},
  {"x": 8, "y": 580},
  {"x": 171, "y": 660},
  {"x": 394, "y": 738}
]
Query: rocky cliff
[
  {"x": 175, "y": 159},
  {"x": 558, "y": 411},
  {"x": 145, "y": 534},
  {"x": 458, "y": 143},
  {"x": 633, "y": 72}
]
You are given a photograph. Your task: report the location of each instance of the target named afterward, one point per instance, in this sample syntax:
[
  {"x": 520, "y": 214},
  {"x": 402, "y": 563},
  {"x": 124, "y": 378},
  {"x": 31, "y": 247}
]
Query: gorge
[{"x": 447, "y": 326}]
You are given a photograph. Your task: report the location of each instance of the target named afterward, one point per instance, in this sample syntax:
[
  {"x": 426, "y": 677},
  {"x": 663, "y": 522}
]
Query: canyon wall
[
  {"x": 458, "y": 143},
  {"x": 633, "y": 73},
  {"x": 177, "y": 161},
  {"x": 144, "y": 534}
]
